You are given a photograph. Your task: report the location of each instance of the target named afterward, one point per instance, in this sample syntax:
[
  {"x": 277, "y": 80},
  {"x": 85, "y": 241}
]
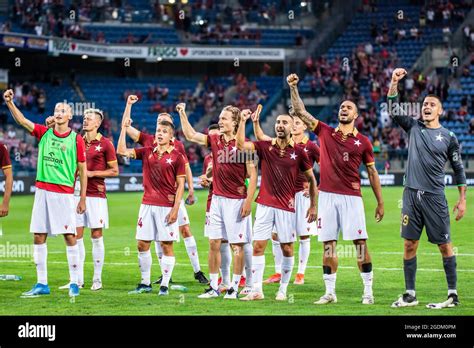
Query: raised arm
[
  {"x": 406, "y": 122},
  {"x": 122, "y": 149},
  {"x": 455, "y": 159},
  {"x": 17, "y": 114},
  {"x": 240, "y": 136},
  {"x": 188, "y": 130},
  {"x": 377, "y": 188},
  {"x": 258, "y": 131},
  {"x": 132, "y": 132},
  {"x": 297, "y": 103},
  {"x": 313, "y": 196}
]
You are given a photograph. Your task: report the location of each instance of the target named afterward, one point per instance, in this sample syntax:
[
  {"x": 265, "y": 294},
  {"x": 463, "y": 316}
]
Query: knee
[
  {"x": 445, "y": 250},
  {"x": 410, "y": 246},
  {"x": 185, "y": 231},
  {"x": 258, "y": 248},
  {"x": 143, "y": 246},
  {"x": 287, "y": 250},
  {"x": 96, "y": 233},
  {"x": 215, "y": 245}
]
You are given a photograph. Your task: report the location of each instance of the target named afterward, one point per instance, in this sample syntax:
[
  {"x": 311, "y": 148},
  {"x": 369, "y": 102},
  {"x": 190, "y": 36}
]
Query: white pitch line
[{"x": 185, "y": 264}]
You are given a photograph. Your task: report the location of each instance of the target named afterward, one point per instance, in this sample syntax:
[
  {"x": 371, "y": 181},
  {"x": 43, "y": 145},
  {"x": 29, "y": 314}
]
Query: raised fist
[
  {"x": 398, "y": 74},
  {"x": 8, "y": 96},
  {"x": 50, "y": 121},
  {"x": 245, "y": 114},
  {"x": 292, "y": 80},
  {"x": 256, "y": 115},
  {"x": 181, "y": 107},
  {"x": 132, "y": 99}
]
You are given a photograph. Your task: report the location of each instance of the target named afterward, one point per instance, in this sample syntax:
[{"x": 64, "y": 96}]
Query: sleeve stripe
[
  {"x": 181, "y": 176},
  {"x": 7, "y": 166},
  {"x": 370, "y": 164},
  {"x": 461, "y": 185},
  {"x": 112, "y": 161}
]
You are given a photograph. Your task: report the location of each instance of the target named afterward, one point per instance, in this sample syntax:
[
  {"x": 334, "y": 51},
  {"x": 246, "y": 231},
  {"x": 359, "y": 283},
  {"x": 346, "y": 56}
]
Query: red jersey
[
  {"x": 99, "y": 152},
  {"x": 340, "y": 160},
  {"x": 38, "y": 132},
  {"x": 159, "y": 175},
  {"x": 207, "y": 161},
  {"x": 312, "y": 150},
  {"x": 145, "y": 140},
  {"x": 5, "y": 161},
  {"x": 280, "y": 167},
  {"x": 229, "y": 168}
]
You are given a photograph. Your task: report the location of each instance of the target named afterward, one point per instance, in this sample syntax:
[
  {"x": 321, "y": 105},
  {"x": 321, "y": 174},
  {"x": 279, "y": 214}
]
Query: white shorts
[
  {"x": 338, "y": 212},
  {"x": 183, "y": 218},
  {"x": 53, "y": 213},
  {"x": 303, "y": 228},
  {"x": 151, "y": 224},
  {"x": 206, "y": 225},
  {"x": 96, "y": 215},
  {"x": 269, "y": 219},
  {"x": 226, "y": 223}
]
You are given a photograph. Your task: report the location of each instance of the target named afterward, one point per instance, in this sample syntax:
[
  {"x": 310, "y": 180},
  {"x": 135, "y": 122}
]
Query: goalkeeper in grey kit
[{"x": 430, "y": 146}]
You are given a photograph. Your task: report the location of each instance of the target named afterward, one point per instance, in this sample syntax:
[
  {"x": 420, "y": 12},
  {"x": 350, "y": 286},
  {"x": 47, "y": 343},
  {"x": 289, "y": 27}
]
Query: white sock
[
  {"x": 40, "y": 256},
  {"x": 236, "y": 281},
  {"x": 73, "y": 262},
  {"x": 214, "y": 278},
  {"x": 159, "y": 252},
  {"x": 452, "y": 291},
  {"x": 277, "y": 255},
  {"x": 303, "y": 255},
  {"x": 191, "y": 248},
  {"x": 258, "y": 266},
  {"x": 411, "y": 292},
  {"x": 144, "y": 262},
  {"x": 82, "y": 258},
  {"x": 286, "y": 270},
  {"x": 367, "y": 279},
  {"x": 248, "y": 252},
  {"x": 98, "y": 256},
  {"x": 167, "y": 265},
  {"x": 226, "y": 259},
  {"x": 330, "y": 282}
]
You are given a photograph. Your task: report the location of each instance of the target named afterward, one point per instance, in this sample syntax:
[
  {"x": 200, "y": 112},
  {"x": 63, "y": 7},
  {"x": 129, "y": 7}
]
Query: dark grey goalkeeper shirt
[{"x": 428, "y": 151}]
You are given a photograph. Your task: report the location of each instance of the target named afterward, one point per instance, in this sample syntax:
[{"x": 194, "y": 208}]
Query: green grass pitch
[{"x": 121, "y": 272}]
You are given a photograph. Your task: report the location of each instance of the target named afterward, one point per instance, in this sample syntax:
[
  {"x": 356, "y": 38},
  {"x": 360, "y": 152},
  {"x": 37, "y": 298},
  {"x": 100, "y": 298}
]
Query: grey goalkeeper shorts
[{"x": 424, "y": 209}]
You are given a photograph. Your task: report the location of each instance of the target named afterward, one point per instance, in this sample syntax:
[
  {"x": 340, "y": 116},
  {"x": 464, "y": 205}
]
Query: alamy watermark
[
  {"x": 395, "y": 108},
  {"x": 78, "y": 108},
  {"x": 234, "y": 155},
  {"x": 11, "y": 250}
]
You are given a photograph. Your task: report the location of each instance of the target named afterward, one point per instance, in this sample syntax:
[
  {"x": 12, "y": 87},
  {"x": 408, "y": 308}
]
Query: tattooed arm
[{"x": 297, "y": 103}]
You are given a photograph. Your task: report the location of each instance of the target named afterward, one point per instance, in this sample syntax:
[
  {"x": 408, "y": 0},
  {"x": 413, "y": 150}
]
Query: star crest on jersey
[
  {"x": 439, "y": 137},
  {"x": 305, "y": 149},
  {"x": 357, "y": 142},
  {"x": 98, "y": 148},
  {"x": 293, "y": 156},
  {"x": 234, "y": 149},
  {"x": 169, "y": 160}
]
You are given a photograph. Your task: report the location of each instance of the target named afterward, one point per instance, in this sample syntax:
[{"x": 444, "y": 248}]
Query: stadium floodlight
[
  {"x": 84, "y": 56},
  {"x": 159, "y": 59},
  {"x": 11, "y": 49},
  {"x": 303, "y": 4},
  {"x": 184, "y": 2},
  {"x": 171, "y": 1}
]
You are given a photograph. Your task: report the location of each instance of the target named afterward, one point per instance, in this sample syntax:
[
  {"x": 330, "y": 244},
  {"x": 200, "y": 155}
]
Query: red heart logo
[
  {"x": 65, "y": 227},
  {"x": 73, "y": 46},
  {"x": 240, "y": 236},
  {"x": 183, "y": 51},
  {"x": 171, "y": 234}
]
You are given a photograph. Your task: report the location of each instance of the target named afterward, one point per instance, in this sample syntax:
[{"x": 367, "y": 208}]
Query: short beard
[{"x": 345, "y": 121}]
